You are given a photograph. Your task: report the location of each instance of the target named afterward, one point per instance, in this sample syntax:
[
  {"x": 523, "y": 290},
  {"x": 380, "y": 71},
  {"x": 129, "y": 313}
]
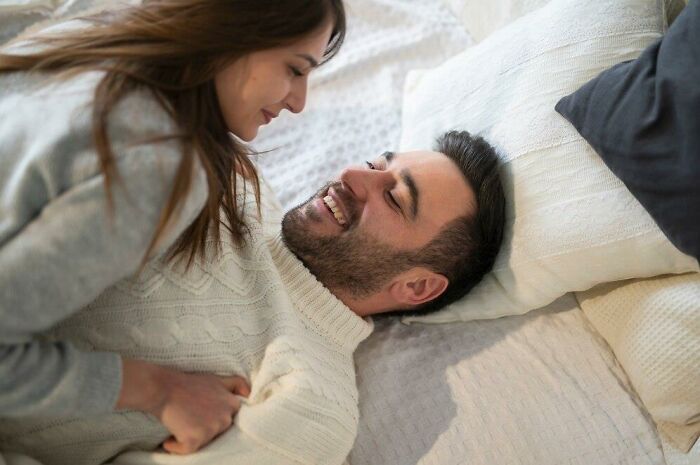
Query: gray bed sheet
[{"x": 537, "y": 389}]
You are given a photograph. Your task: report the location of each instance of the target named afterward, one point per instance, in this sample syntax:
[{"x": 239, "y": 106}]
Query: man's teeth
[{"x": 334, "y": 208}]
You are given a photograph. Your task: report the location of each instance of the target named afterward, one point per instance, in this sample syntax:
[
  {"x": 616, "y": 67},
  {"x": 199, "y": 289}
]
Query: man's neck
[{"x": 376, "y": 303}]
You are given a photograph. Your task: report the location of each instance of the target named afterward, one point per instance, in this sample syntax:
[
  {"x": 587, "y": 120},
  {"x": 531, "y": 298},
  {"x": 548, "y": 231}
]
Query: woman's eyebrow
[{"x": 308, "y": 58}]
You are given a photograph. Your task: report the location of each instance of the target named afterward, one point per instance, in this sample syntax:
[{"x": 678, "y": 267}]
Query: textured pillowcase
[
  {"x": 653, "y": 326},
  {"x": 571, "y": 224},
  {"x": 643, "y": 119},
  {"x": 482, "y": 18}
]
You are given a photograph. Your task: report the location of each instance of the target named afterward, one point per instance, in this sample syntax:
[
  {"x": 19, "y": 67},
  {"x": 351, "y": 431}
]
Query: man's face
[{"x": 385, "y": 213}]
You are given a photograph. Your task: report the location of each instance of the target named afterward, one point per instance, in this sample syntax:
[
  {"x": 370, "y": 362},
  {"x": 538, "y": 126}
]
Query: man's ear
[{"x": 418, "y": 286}]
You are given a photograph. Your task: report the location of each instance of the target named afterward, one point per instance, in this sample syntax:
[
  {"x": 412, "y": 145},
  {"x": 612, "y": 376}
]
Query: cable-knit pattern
[{"x": 254, "y": 311}]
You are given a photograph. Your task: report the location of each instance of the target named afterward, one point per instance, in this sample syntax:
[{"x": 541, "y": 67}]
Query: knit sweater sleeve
[
  {"x": 288, "y": 428},
  {"x": 60, "y": 248}
]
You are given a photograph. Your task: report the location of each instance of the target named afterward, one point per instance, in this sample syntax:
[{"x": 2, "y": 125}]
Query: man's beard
[{"x": 352, "y": 261}]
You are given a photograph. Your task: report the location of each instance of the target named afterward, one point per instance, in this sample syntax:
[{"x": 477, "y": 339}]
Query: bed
[{"x": 542, "y": 388}]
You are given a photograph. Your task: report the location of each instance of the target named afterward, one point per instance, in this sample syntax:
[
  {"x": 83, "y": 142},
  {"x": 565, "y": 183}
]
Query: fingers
[
  {"x": 171, "y": 445},
  {"x": 235, "y": 404},
  {"x": 196, "y": 440},
  {"x": 198, "y": 408},
  {"x": 236, "y": 385},
  {"x": 174, "y": 446}
]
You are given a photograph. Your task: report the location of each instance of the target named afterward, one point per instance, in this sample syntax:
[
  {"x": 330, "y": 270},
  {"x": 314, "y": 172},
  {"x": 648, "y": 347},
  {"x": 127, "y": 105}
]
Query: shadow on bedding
[{"x": 408, "y": 383}]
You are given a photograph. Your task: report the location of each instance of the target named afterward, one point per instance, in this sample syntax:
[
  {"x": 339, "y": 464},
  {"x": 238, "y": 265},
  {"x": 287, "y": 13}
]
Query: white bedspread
[{"x": 354, "y": 107}]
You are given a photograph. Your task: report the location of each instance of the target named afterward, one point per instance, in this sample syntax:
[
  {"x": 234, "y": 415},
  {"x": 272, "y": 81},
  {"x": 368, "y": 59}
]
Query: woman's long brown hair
[{"x": 174, "y": 48}]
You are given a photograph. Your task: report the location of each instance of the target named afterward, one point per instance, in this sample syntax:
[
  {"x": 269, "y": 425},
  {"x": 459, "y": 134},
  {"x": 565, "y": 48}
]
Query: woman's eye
[
  {"x": 295, "y": 71},
  {"x": 370, "y": 165}
]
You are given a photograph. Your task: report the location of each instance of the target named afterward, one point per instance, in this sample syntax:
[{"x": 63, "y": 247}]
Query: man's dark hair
[{"x": 466, "y": 248}]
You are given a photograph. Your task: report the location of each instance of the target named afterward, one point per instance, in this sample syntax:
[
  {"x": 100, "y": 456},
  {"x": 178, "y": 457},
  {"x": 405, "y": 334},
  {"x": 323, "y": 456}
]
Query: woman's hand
[{"x": 195, "y": 408}]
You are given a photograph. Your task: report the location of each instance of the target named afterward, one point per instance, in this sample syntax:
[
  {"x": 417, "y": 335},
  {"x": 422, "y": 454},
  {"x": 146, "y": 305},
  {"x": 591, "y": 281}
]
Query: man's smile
[{"x": 338, "y": 206}]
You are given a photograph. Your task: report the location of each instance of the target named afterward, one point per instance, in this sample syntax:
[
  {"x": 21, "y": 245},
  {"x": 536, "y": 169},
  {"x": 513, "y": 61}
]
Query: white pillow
[
  {"x": 571, "y": 224},
  {"x": 482, "y": 18},
  {"x": 653, "y": 326}
]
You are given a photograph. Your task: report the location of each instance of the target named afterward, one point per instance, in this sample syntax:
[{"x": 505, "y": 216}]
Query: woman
[{"x": 115, "y": 147}]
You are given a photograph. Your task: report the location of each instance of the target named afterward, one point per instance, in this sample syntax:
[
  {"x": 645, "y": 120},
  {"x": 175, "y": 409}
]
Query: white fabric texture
[
  {"x": 17, "y": 16},
  {"x": 353, "y": 112},
  {"x": 571, "y": 224},
  {"x": 253, "y": 311},
  {"x": 675, "y": 456},
  {"x": 536, "y": 389},
  {"x": 482, "y": 19},
  {"x": 653, "y": 327}
]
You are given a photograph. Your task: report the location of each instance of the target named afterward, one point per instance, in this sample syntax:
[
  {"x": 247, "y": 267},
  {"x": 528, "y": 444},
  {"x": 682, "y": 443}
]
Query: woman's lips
[{"x": 268, "y": 116}]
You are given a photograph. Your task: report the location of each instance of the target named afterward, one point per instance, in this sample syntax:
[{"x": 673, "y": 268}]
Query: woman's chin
[{"x": 246, "y": 135}]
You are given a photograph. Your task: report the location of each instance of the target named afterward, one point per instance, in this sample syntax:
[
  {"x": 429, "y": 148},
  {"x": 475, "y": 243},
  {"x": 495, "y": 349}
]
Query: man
[{"x": 407, "y": 233}]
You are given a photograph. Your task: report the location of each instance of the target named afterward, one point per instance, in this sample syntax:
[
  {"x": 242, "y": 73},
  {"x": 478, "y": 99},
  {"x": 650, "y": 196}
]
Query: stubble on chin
[{"x": 351, "y": 262}]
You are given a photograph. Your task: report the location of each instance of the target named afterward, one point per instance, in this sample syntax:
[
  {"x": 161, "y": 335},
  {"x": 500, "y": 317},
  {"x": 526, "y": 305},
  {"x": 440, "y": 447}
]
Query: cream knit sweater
[{"x": 254, "y": 311}]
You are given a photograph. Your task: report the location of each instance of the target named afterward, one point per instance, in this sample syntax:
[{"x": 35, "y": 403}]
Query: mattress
[{"x": 541, "y": 388}]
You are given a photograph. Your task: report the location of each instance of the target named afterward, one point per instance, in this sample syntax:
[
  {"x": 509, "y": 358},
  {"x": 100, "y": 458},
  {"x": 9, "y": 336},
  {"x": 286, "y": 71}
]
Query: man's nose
[{"x": 363, "y": 182}]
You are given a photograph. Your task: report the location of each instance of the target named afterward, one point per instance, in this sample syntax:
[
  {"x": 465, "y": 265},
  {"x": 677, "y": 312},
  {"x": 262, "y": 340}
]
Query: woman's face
[{"x": 257, "y": 87}]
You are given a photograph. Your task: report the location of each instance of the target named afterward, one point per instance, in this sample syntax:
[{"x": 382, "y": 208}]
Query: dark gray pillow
[{"x": 643, "y": 119}]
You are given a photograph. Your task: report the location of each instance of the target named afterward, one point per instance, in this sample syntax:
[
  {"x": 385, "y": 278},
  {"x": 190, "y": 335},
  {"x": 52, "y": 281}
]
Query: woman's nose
[{"x": 296, "y": 100}]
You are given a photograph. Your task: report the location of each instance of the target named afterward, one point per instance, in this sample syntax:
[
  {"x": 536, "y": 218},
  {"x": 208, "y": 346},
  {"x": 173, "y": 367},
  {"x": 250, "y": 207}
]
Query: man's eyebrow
[
  {"x": 410, "y": 182},
  {"x": 388, "y": 156},
  {"x": 413, "y": 189},
  {"x": 308, "y": 58}
]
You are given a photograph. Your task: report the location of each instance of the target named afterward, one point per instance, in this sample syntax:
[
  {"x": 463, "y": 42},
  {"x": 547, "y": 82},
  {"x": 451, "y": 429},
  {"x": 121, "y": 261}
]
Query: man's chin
[
  {"x": 295, "y": 230},
  {"x": 310, "y": 232}
]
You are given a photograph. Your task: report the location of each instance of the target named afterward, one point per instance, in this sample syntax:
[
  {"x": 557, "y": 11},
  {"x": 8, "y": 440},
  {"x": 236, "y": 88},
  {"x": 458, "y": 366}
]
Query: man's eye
[
  {"x": 393, "y": 200},
  {"x": 370, "y": 165}
]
